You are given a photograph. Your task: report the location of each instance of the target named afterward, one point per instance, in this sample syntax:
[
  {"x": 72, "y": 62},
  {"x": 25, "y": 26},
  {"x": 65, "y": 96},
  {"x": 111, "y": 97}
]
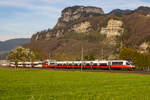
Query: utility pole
[
  {"x": 49, "y": 56},
  {"x": 102, "y": 53},
  {"x": 82, "y": 58},
  {"x": 82, "y": 54}
]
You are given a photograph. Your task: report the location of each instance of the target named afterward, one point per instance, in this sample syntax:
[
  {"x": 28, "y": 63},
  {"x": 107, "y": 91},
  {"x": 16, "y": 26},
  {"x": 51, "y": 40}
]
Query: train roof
[{"x": 118, "y": 60}]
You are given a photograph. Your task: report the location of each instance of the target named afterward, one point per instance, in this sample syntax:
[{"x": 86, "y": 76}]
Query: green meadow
[{"x": 29, "y": 84}]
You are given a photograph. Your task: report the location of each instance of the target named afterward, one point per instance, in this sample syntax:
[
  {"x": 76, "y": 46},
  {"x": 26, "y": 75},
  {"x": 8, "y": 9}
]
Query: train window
[
  {"x": 76, "y": 64},
  {"x": 12, "y": 64},
  {"x": 87, "y": 64},
  {"x": 117, "y": 63},
  {"x": 103, "y": 64},
  {"x": 94, "y": 64},
  {"x": 70, "y": 64},
  {"x": 127, "y": 63}
]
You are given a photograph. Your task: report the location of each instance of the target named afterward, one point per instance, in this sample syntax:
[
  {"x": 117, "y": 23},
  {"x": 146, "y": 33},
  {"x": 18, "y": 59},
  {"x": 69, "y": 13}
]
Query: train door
[{"x": 109, "y": 65}]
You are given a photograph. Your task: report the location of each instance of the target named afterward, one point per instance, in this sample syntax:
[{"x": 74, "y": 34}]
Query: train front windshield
[{"x": 131, "y": 63}]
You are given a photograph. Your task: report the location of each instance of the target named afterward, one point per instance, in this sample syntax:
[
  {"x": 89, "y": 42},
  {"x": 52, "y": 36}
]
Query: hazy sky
[{"x": 22, "y": 18}]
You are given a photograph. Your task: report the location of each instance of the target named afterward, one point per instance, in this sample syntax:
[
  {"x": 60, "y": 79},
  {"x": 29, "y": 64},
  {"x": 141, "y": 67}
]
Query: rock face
[
  {"x": 114, "y": 28},
  {"x": 144, "y": 47},
  {"x": 71, "y": 14},
  {"x": 82, "y": 27},
  {"x": 72, "y": 20},
  {"x": 66, "y": 22}
]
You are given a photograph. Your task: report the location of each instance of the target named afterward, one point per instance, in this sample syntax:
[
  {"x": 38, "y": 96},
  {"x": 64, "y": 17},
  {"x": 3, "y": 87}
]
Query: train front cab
[{"x": 121, "y": 64}]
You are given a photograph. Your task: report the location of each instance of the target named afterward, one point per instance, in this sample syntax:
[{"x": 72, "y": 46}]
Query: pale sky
[{"x": 23, "y": 18}]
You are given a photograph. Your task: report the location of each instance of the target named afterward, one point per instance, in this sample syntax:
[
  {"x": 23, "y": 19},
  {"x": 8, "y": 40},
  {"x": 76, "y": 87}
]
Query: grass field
[{"x": 25, "y": 84}]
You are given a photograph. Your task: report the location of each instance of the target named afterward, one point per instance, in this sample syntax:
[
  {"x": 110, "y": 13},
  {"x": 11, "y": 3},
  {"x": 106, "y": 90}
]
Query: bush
[{"x": 141, "y": 60}]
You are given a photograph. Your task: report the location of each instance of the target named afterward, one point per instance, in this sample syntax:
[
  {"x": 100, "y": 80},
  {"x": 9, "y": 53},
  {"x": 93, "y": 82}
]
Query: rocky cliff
[
  {"x": 75, "y": 13},
  {"x": 76, "y": 19},
  {"x": 67, "y": 22},
  {"x": 90, "y": 28},
  {"x": 114, "y": 28}
]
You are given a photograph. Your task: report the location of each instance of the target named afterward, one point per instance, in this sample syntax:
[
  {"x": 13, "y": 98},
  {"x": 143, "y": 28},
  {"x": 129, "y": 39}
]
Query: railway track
[{"x": 135, "y": 71}]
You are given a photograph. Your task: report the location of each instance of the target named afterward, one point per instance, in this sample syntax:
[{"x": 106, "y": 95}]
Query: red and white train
[{"x": 110, "y": 64}]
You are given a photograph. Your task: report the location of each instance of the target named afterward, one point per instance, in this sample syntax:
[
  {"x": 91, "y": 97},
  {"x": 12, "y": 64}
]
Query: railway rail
[{"x": 135, "y": 71}]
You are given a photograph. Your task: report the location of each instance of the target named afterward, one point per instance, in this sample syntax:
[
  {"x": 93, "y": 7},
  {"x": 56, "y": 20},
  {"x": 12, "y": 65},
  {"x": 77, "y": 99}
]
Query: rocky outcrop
[
  {"x": 143, "y": 48},
  {"x": 74, "y": 13},
  {"x": 73, "y": 20},
  {"x": 82, "y": 27},
  {"x": 65, "y": 23},
  {"x": 114, "y": 28}
]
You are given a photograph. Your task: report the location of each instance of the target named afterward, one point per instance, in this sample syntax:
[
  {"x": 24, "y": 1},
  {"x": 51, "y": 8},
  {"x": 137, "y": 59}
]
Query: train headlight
[{"x": 133, "y": 66}]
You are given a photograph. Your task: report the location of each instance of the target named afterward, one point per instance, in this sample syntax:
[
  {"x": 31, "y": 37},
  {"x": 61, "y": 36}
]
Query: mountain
[
  {"x": 69, "y": 17},
  {"x": 140, "y": 10},
  {"x": 6, "y": 46},
  {"x": 119, "y": 12},
  {"x": 143, "y": 10},
  {"x": 98, "y": 33}
]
